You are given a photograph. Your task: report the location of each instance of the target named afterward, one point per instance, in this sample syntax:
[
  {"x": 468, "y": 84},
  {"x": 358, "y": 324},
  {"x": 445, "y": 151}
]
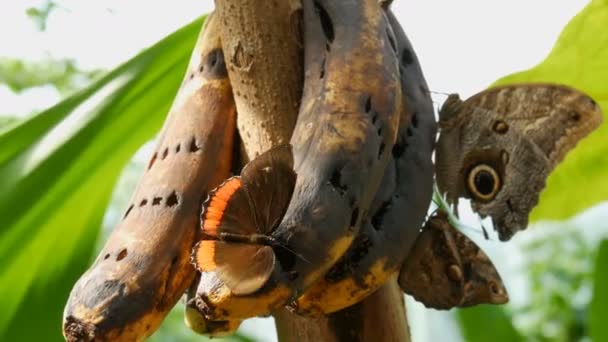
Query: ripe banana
[
  {"x": 342, "y": 143},
  {"x": 400, "y": 204},
  {"x": 144, "y": 267}
]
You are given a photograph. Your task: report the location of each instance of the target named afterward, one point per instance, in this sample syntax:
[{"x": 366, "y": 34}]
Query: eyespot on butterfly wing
[{"x": 521, "y": 132}]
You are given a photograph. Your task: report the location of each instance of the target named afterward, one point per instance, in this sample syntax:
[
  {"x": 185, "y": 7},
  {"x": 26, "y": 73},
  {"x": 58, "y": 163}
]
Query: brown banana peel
[
  {"x": 399, "y": 207},
  {"x": 144, "y": 267},
  {"x": 344, "y": 134}
]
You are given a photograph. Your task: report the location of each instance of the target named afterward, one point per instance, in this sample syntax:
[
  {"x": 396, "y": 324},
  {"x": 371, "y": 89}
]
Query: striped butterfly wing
[
  {"x": 241, "y": 209},
  {"x": 228, "y": 210}
]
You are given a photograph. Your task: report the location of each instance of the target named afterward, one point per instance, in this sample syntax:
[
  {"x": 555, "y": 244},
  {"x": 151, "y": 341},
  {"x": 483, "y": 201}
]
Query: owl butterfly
[
  {"x": 499, "y": 146},
  {"x": 445, "y": 269},
  {"x": 238, "y": 219}
]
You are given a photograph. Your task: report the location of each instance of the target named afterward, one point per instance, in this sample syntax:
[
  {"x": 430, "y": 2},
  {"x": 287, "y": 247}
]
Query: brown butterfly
[
  {"x": 499, "y": 146},
  {"x": 445, "y": 269},
  {"x": 238, "y": 219}
]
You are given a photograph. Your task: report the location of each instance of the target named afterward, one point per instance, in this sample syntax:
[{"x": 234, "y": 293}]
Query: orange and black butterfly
[{"x": 238, "y": 218}]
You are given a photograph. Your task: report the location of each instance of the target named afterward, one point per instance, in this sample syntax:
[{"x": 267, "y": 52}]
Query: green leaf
[
  {"x": 57, "y": 171},
  {"x": 579, "y": 59},
  {"x": 487, "y": 323},
  {"x": 61, "y": 73},
  {"x": 598, "y": 329}
]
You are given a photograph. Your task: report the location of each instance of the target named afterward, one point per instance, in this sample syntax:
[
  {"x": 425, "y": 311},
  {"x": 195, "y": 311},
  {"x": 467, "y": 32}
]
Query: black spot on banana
[
  {"x": 399, "y": 207},
  {"x": 342, "y": 142}
]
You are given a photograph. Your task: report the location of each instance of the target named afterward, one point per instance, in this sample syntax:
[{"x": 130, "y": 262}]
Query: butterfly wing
[
  {"x": 482, "y": 283},
  {"x": 432, "y": 272},
  {"x": 554, "y": 117},
  {"x": 499, "y": 146},
  {"x": 446, "y": 269},
  {"x": 269, "y": 181},
  {"x": 244, "y": 268},
  {"x": 239, "y": 208},
  {"x": 228, "y": 210}
]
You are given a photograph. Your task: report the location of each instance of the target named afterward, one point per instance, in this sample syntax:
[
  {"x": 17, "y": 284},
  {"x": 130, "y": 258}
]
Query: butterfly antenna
[
  {"x": 485, "y": 232},
  {"x": 297, "y": 255},
  {"x": 486, "y": 235},
  {"x": 291, "y": 251}
]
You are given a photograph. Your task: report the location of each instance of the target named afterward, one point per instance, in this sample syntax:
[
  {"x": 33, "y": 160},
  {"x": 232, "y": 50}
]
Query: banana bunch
[
  {"x": 144, "y": 267},
  {"x": 319, "y": 241},
  {"x": 342, "y": 143}
]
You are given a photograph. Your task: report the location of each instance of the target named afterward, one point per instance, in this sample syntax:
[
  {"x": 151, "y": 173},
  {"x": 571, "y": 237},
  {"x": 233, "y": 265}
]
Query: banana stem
[
  {"x": 379, "y": 317},
  {"x": 263, "y": 51}
]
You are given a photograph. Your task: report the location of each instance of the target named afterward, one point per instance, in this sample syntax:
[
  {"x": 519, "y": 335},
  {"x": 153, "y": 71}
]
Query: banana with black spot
[
  {"x": 399, "y": 207},
  {"x": 144, "y": 267}
]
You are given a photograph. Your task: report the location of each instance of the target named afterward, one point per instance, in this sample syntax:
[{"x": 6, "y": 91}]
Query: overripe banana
[
  {"x": 144, "y": 267},
  {"x": 400, "y": 204}
]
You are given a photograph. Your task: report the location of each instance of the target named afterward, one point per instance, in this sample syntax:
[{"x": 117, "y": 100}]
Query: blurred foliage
[
  {"x": 57, "y": 170},
  {"x": 487, "y": 323},
  {"x": 61, "y": 73},
  {"x": 598, "y": 329},
  {"x": 579, "y": 59},
  {"x": 560, "y": 269},
  {"x": 40, "y": 14},
  {"x": 64, "y": 74},
  {"x": 6, "y": 122}
]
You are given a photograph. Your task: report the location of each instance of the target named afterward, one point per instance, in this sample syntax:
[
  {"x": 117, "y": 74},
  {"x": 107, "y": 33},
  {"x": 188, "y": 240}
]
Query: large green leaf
[
  {"x": 579, "y": 59},
  {"x": 57, "y": 171},
  {"x": 487, "y": 323},
  {"x": 598, "y": 313}
]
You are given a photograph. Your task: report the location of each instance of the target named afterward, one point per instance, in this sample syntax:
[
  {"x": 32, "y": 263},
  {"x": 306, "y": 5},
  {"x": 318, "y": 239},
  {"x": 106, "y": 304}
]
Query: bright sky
[{"x": 463, "y": 47}]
